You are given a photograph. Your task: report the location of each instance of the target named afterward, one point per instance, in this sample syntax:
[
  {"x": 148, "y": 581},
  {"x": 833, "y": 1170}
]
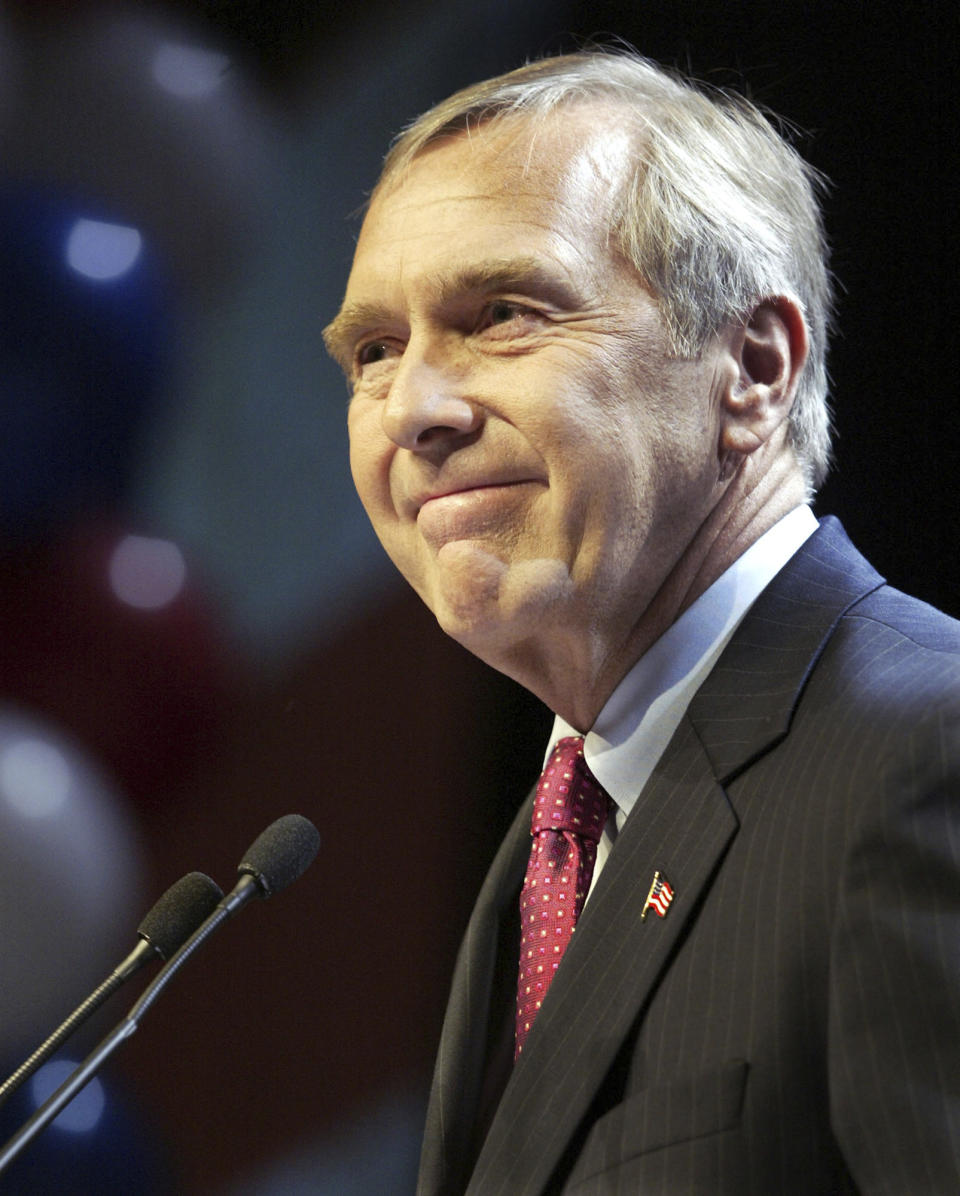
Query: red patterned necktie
[{"x": 569, "y": 811}]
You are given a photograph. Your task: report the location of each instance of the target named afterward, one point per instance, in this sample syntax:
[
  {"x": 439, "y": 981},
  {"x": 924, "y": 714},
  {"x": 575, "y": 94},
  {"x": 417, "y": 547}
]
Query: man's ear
[{"x": 767, "y": 352}]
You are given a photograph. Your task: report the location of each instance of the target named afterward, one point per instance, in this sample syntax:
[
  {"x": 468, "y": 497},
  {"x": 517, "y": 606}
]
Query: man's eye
[
  {"x": 372, "y": 352},
  {"x": 502, "y": 311}
]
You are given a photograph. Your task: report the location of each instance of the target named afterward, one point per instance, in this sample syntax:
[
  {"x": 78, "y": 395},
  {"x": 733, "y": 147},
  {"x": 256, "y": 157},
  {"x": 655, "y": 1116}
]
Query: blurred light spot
[
  {"x": 84, "y": 1111},
  {"x": 147, "y": 573},
  {"x": 35, "y": 777},
  {"x": 188, "y": 71},
  {"x": 102, "y": 251}
]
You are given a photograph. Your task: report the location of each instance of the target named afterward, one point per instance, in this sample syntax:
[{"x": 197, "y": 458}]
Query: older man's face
[{"x": 529, "y": 453}]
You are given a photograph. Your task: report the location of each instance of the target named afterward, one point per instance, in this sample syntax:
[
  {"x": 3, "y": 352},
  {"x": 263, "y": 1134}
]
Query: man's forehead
[
  {"x": 517, "y": 180},
  {"x": 541, "y": 193},
  {"x": 572, "y": 149}
]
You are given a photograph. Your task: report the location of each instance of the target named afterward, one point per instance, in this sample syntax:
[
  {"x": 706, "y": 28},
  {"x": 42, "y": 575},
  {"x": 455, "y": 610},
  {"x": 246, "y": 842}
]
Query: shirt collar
[{"x": 640, "y": 716}]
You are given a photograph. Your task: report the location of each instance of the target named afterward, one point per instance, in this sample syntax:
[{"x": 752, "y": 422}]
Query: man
[{"x": 585, "y": 335}]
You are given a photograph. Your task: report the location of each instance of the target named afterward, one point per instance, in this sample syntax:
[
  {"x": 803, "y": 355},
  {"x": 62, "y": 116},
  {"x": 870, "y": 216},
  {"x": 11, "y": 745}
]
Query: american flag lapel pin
[{"x": 659, "y": 897}]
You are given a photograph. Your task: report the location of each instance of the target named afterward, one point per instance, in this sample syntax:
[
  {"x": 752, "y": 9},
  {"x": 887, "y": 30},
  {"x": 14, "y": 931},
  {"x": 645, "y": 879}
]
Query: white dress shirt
[{"x": 640, "y": 716}]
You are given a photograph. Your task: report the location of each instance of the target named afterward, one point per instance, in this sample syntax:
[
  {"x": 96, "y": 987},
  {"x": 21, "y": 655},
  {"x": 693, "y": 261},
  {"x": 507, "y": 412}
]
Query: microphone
[
  {"x": 278, "y": 857},
  {"x": 178, "y": 913},
  {"x": 281, "y": 854},
  {"x": 275, "y": 859}
]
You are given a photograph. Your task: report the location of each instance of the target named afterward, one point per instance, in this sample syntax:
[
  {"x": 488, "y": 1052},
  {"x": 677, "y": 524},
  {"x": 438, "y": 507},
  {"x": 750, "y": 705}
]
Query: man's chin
[
  {"x": 465, "y": 588},
  {"x": 488, "y": 603}
]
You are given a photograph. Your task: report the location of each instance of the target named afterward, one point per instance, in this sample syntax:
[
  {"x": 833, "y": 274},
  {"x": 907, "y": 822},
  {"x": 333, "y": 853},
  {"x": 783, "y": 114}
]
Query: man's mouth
[{"x": 470, "y": 511}]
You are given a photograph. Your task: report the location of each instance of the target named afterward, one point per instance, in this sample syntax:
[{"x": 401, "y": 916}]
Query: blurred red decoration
[{"x": 143, "y": 689}]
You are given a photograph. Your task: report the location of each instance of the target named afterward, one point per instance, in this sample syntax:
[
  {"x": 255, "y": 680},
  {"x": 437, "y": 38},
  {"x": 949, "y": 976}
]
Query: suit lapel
[
  {"x": 457, "y": 1092},
  {"x": 745, "y": 706}
]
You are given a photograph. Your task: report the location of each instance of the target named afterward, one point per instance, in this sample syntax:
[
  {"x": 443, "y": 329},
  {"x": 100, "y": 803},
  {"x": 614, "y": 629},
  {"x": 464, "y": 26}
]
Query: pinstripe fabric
[
  {"x": 793, "y": 1024},
  {"x": 487, "y": 950}
]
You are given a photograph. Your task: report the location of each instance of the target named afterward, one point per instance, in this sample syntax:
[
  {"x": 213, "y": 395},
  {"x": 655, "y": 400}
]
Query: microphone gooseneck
[
  {"x": 171, "y": 921},
  {"x": 274, "y": 860}
]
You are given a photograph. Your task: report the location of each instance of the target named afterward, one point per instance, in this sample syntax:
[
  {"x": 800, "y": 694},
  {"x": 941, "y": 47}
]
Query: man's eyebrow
[
  {"x": 502, "y": 274},
  {"x": 505, "y": 274},
  {"x": 352, "y": 319}
]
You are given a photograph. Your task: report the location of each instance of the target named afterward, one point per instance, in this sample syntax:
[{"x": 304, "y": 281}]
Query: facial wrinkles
[
  {"x": 558, "y": 204},
  {"x": 553, "y": 214},
  {"x": 576, "y": 346},
  {"x": 430, "y": 267}
]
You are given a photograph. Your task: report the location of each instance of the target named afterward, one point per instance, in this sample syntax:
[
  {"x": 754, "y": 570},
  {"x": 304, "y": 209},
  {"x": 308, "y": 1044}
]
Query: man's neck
[{"x": 578, "y": 674}]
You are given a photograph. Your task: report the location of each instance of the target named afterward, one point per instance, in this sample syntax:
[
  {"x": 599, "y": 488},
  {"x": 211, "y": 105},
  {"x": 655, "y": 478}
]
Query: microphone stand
[
  {"x": 139, "y": 955},
  {"x": 245, "y": 889}
]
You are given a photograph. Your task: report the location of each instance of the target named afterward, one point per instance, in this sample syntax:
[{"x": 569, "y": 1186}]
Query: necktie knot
[{"x": 569, "y": 797}]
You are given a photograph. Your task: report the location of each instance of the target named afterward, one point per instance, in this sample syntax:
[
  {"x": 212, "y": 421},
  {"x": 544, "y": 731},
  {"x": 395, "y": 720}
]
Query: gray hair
[{"x": 719, "y": 212}]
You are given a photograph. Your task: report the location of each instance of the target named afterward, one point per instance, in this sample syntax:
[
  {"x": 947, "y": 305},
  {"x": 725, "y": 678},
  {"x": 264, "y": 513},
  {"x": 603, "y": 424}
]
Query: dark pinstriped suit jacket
[{"x": 793, "y": 1024}]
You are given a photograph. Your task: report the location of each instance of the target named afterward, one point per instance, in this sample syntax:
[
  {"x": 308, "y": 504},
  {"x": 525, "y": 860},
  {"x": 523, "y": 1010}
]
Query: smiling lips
[
  {"x": 468, "y": 511},
  {"x": 470, "y": 488}
]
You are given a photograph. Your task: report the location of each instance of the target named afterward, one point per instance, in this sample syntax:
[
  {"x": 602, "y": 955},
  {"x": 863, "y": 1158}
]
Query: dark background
[{"x": 296, "y": 673}]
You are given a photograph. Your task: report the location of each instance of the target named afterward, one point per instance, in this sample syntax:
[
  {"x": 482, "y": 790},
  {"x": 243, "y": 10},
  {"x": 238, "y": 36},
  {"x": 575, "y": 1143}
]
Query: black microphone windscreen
[
  {"x": 179, "y": 912},
  {"x": 282, "y": 853}
]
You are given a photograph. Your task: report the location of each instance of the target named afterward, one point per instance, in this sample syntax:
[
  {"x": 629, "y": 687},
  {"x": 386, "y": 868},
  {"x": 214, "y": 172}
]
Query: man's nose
[{"x": 427, "y": 407}]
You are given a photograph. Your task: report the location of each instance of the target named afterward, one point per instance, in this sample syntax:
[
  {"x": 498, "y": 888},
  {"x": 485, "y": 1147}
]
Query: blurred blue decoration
[
  {"x": 98, "y": 1146},
  {"x": 85, "y": 348}
]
